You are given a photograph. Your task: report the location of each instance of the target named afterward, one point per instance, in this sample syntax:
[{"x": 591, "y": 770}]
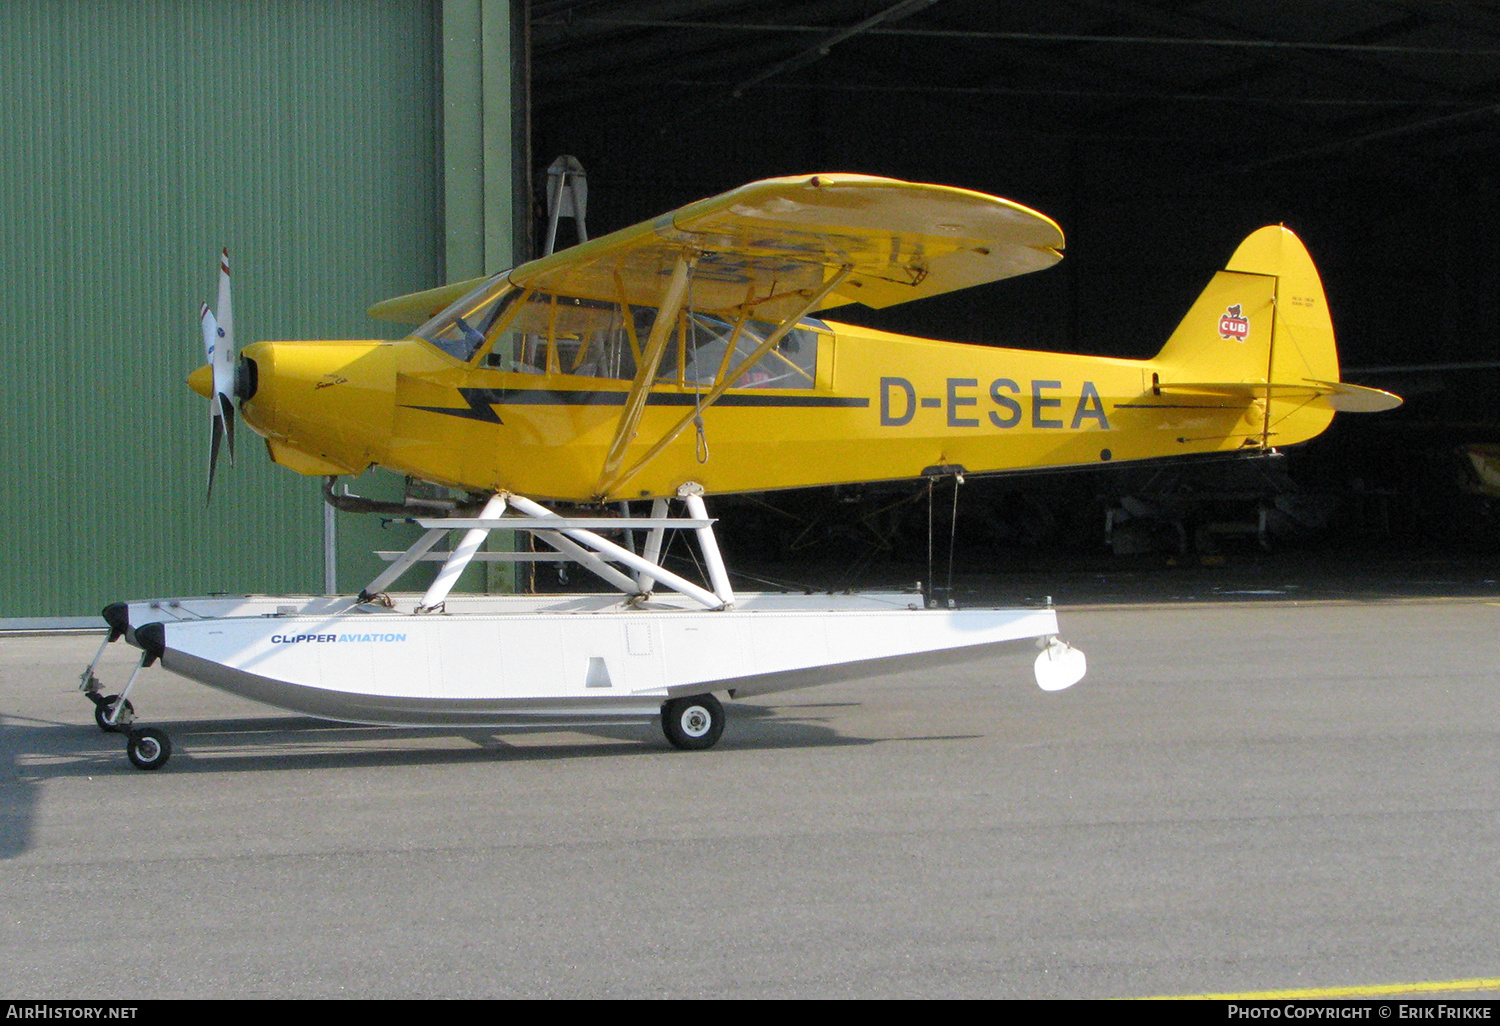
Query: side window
[
  {"x": 791, "y": 363},
  {"x": 528, "y": 332},
  {"x": 553, "y": 334},
  {"x": 522, "y": 347}
]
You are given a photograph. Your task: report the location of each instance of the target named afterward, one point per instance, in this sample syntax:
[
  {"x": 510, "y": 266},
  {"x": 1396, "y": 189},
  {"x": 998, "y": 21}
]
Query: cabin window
[
  {"x": 553, "y": 334},
  {"x": 539, "y": 333},
  {"x": 791, "y": 363}
]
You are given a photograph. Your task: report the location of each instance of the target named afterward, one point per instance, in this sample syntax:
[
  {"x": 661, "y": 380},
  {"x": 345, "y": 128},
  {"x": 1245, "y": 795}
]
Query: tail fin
[{"x": 1261, "y": 333}]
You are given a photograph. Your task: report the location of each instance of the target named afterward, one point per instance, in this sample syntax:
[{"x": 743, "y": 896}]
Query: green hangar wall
[{"x": 343, "y": 152}]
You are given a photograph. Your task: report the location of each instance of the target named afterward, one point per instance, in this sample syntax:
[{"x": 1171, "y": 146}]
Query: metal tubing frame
[
  {"x": 574, "y": 543},
  {"x": 473, "y": 538},
  {"x": 485, "y": 557},
  {"x": 87, "y": 682},
  {"x": 559, "y": 523},
  {"x": 613, "y": 478},
  {"x": 717, "y": 575},
  {"x": 404, "y": 562},
  {"x": 589, "y": 561},
  {"x": 645, "y": 375},
  {"x": 113, "y": 716},
  {"x": 654, "y": 540},
  {"x": 623, "y": 555}
]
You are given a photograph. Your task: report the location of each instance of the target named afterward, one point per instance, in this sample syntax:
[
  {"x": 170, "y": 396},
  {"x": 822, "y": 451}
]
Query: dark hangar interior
[{"x": 1158, "y": 133}]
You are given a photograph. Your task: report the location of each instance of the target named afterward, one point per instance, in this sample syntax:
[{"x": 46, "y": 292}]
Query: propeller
[{"x": 218, "y": 344}]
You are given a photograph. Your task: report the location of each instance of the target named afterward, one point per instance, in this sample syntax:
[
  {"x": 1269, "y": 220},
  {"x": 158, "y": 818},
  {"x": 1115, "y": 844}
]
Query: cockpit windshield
[
  {"x": 461, "y": 329},
  {"x": 532, "y": 332}
]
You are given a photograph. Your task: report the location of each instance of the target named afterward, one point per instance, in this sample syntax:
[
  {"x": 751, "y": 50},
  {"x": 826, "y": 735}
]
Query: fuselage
[{"x": 863, "y": 405}]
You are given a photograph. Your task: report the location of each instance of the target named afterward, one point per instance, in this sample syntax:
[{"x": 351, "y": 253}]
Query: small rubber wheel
[
  {"x": 693, "y": 723},
  {"x": 101, "y": 711},
  {"x": 148, "y": 749}
]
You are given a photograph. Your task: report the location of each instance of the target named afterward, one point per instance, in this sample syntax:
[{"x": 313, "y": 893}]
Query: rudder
[
  {"x": 1262, "y": 321},
  {"x": 1264, "y": 318}
]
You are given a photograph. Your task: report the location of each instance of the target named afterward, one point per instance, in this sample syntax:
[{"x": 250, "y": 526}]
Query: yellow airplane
[
  {"x": 688, "y": 350},
  {"x": 681, "y": 357}
]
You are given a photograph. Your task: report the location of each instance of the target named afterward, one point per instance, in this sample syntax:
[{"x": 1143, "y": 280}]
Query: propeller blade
[
  {"x": 222, "y": 355},
  {"x": 226, "y": 407},
  {"x": 224, "y": 312},
  {"x": 218, "y": 345},
  {"x": 215, "y": 436},
  {"x": 210, "y": 332}
]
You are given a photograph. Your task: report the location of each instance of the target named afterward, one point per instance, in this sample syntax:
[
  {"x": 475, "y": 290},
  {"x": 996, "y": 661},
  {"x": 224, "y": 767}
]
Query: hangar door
[{"x": 139, "y": 139}]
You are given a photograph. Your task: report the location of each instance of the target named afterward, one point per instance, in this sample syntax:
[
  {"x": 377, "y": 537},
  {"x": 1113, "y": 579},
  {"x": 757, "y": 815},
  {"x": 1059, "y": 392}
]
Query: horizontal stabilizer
[
  {"x": 1334, "y": 395},
  {"x": 1347, "y": 398}
]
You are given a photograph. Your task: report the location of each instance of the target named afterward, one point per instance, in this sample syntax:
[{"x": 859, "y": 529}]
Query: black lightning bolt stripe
[
  {"x": 481, "y": 401},
  {"x": 480, "y": 406}
]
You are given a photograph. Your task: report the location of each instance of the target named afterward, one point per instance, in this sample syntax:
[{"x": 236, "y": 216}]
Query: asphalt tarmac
[{"x": 1250, "y": 794}]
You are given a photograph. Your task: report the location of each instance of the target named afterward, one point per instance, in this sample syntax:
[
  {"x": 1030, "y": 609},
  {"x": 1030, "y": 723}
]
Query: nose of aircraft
[
  {"x": 202, "y": 381},
  {"x": 245, "y": 380},
  {"x": 279, "y": 375},
  {"x": 328, "y": 400}
]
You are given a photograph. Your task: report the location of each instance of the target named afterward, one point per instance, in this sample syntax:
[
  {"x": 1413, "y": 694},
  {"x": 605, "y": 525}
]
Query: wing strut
[
  {"x": 608, "y": 482},
  {"x": 645, "y": 374}
]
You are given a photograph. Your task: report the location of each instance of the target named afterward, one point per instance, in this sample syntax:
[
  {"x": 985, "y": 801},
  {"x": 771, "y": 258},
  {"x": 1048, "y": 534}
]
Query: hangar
[
  {"x": 343, "y": 153},
  {"x": 359, "y": 151},
  {"x": 1157, "y": 134}
]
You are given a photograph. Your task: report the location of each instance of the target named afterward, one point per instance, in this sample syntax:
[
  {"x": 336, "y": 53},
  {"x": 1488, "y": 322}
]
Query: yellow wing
[
  {"x": 419, "y": 307},
  {"x": 770, "y": 245}
]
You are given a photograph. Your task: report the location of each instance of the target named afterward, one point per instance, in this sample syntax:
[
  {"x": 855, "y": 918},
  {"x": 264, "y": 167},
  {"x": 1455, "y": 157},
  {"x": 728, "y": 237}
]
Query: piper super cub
[{"x": 686, "y": 357}]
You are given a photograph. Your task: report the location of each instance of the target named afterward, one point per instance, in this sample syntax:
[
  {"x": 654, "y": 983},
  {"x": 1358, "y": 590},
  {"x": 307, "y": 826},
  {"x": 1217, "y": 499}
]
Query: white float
[{"x": 552, "y": 660}]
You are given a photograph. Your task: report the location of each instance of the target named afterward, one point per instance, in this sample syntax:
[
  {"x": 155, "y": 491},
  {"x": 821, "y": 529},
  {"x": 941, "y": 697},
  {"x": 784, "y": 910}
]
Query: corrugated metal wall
[{"x": 137, "y": 139}]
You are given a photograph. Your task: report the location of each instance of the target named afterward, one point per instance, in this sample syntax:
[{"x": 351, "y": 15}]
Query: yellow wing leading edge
[{"x": 769, "y": 245}]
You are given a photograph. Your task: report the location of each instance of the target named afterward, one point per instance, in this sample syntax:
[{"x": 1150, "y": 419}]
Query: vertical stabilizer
[
  {"x": 1303, "y": 348},
  {"x": 1227, "y": 334},
  {"x": 1262, "y": 321}
]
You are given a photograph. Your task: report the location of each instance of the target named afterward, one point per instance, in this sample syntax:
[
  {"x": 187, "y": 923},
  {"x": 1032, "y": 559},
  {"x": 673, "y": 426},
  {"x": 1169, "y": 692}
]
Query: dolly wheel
[
  {"x": 101, "y": 713},
  {"x": 148, "y": 748},
  {"x": 694, "y": 723}
]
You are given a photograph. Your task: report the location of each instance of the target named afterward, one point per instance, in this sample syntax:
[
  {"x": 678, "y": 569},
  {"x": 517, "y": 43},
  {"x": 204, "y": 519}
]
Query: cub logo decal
[{"x": 1234, "y": 324}]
